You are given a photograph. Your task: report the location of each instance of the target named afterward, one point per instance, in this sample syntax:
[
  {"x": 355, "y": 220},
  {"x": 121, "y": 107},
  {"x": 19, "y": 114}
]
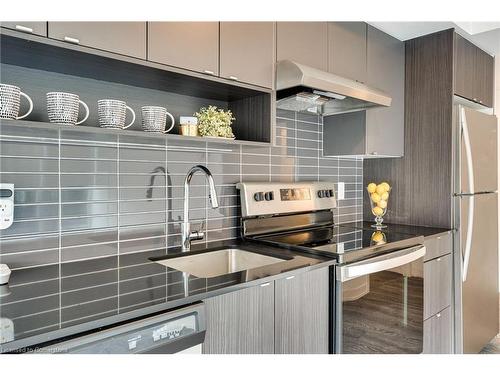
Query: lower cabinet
[
  {"x": 438, "y": 270},
  {"x": 289, "y": 315},
  {"x": 438, "y": 333},
  {"x": 241, "y": 322},
  {"x": 301, "y": 314}
]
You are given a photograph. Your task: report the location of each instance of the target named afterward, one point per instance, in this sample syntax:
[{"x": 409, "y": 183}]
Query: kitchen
[{"x": 233, "y": 188}]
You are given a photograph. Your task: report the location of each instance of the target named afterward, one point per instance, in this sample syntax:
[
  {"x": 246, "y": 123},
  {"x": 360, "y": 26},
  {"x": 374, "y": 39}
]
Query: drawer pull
[
  {"x": 209, "y": 72},
  {"x": 265, "y": 284},
  {"x": 71, "y": 40},
  {"x": 438, "y": 315},
  {"x": 233, "y": 78},
  {"x": 439, "y": 237},
  {"x": 438, "y": 260},
  {"x": 24, "y": 29},
  {"x": 290, "y": 277}
]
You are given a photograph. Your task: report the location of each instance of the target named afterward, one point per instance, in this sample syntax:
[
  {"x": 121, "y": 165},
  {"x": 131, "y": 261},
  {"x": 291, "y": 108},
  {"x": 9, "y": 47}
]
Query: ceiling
[{"x": 484, "y": 34}]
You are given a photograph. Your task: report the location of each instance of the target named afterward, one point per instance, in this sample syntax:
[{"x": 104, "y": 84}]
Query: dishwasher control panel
[{"x": 171, "y": 332}]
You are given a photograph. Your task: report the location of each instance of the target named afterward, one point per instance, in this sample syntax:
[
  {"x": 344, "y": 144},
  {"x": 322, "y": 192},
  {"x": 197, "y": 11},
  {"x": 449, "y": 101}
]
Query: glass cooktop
[{"x": 344, "y": 242}]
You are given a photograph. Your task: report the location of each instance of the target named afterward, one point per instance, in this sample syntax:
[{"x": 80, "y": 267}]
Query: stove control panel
[{"x": 271, "y": 198}]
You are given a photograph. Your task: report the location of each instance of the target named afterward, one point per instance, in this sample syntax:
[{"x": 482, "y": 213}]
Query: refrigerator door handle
[{"x": 470, "y": 178}]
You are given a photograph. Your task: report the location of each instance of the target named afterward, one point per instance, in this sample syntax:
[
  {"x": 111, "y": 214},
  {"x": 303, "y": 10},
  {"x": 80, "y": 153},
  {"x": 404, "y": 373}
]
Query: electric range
[{"x": 376, "y": 286}]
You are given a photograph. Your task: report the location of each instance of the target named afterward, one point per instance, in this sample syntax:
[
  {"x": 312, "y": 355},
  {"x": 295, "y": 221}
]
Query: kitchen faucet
[{"x": 187, "y": 235}]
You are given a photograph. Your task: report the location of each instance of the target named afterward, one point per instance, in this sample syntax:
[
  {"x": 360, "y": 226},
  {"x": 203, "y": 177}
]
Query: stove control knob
[
  {"x": 327, "y": 194},
  {"x": 258, "y": 196},
  {"x": 321, "y": 193},
  {"x": 332, "y": 194},
  {"x": 269, "y": 196}
]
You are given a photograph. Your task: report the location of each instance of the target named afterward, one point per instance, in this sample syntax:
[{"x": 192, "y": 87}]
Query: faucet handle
[{"x": 198, "y": 234}]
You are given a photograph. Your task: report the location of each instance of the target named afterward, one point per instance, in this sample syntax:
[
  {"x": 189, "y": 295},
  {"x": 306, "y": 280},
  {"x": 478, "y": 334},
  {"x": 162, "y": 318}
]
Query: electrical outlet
[{"x": 341, "y": 190}]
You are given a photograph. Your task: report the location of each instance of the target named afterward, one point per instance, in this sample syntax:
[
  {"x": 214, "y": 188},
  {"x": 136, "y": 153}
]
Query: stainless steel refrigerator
[{"x": 476, "y": 223}]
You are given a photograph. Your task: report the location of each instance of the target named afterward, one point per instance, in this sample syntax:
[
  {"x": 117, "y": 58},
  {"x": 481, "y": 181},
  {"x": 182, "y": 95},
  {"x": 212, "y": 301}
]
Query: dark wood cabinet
[
  {"x": 241, "y": 322},
  {"x": 301, "y": 313},
  {"x": 474, "y": 72}
]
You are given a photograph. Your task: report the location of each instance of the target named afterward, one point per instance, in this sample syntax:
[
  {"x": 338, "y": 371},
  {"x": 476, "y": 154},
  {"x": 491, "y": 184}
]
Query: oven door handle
[{"x": 381, "y": 263}]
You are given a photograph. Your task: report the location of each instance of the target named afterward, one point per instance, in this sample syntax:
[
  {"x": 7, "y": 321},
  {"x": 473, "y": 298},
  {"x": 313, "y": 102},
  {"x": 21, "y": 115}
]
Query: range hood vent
[{"x": 304, "y": 89}]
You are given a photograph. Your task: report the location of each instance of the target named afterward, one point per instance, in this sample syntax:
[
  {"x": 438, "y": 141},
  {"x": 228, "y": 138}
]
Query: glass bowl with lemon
[{"x": 379, "y": 196}]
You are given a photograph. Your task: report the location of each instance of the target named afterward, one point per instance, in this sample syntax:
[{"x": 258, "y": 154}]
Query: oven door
[{"x": 379, "y": 304}]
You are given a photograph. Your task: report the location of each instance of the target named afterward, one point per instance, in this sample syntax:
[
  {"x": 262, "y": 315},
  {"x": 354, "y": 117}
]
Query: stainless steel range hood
[{"x": 306, "y": 89}]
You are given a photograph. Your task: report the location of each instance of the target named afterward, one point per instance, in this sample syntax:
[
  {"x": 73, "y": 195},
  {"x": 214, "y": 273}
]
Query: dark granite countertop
[
  {"x": 51, "y": 302},
  {"x": 402, "y": 228}
]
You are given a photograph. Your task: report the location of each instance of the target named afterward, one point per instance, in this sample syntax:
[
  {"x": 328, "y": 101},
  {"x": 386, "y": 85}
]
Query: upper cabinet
[
  {"x": 347, "y": 49},
  {"x": 38, "y": 28},
  {"x": 386, "y": 72},
  {"x": 474, "y": 72},
  {"x": 303, "y": 42},
  {"x": 247, "y": 52},
  {"x": 376, "y": 132},
  {"x": 126, "y": 38},
  {"x": 188, "y": 45}
]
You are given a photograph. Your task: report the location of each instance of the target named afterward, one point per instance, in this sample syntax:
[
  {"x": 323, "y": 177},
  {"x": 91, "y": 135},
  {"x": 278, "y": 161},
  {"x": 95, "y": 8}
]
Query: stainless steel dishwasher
[{"x": 178, "y": 331}]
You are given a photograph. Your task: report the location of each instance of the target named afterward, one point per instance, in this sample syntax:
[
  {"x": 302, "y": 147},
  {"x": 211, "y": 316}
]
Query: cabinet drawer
[
  {"x": 38, "y": 28},
  {"x": 438, "y": 246},
  {"x": 438, "y": 333},
  {"x": 437, "y": 285}
]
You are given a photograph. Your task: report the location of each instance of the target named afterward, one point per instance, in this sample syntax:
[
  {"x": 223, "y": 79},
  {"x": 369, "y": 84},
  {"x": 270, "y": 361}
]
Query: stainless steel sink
[{"x": 219, "y": 262}]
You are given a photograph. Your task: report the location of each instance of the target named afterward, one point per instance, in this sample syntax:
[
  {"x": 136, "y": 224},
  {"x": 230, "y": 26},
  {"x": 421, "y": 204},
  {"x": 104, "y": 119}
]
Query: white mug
[
  {"x": 112, "y": 114},
  {"x": 154, "y": 119},
  {"x": 10, "y": 102},
  {"x": 63, "y": 108}
]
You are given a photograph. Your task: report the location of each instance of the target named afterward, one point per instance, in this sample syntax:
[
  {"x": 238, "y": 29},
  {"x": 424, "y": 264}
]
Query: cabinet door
[
  {"x": 437, "y": 285},
  {"x": 247, "y": 52},
  {"x": 464, "y": 61},
  {"x": 303, "y": 42},
  {"x": 484, "y": 78},
  {"x": 301, "y": 305},
  {"x": 438, "y": 333},
  {"x": 241, "y": 322},
  {"x": 347, "y": 49},
  {"x": 126, "y": 38},
  {"x": 188, "y": 45},
  {"x": 385, "y": 71},
  {"x": 38, "y": 28}
]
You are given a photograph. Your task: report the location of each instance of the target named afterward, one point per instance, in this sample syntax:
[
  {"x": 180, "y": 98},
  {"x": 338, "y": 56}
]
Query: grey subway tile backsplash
[{"x": 84, "y": 197}]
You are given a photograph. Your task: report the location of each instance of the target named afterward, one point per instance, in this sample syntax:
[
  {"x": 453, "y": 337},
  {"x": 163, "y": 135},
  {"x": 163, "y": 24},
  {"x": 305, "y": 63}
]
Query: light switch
[{"x": 341, "y": 190}]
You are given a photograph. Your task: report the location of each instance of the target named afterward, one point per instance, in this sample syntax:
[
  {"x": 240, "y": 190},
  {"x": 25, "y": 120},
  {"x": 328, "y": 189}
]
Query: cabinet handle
[
  {"x": 209, "y": 72},
  {"x": 71, "y": 40},
  {"x": 265, "y": 284},
  {"x": 374, "y": 153},
  {"x": 290, "y": 277},
  {"x": 438, "y": 315},
  {"x": 438, "y": 260},
  {"x": 233, "y": 78},
  {"x": 24, "y": 29},
  {"x": 439, "y": 237},
  {"x": 474, "y": 99},
  {"x": 481, "y": 101}
]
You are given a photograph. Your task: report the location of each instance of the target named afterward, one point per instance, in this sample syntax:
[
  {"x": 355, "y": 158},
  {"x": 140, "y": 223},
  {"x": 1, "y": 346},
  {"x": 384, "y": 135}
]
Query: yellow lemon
[
  {"x": 385, "y": 196},
  {"x": 375, "y": 198},
  {"x": 377, "y": 211},
  {"x": 371, "y": 188},
  {"x": 380, "y": 189},
  {"x": 386, "y": 186},
  {"x": 382, "y": 204},
  {"x": 377, "y": 237}
]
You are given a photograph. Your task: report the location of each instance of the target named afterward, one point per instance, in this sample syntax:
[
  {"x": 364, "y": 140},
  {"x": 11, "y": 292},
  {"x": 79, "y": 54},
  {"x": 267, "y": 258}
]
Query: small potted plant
[{"x": 215, "y": 122}]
